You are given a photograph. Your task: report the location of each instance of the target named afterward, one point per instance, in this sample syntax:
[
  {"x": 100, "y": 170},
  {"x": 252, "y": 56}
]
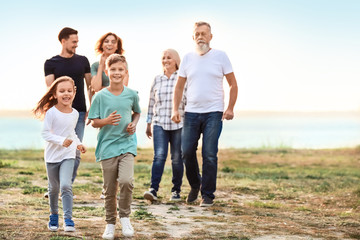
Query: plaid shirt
[{"x": 161, "y": 100}]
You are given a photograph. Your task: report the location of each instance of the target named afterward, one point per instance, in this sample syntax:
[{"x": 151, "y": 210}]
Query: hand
[
  {"x": 113, "y": 118},
  {"x": 81, "y": 148},
  {"x": 131, "y": 128},
  {"x": 228, "y": 114},
  {"x": 148, "y": 131},
  {"x": 103, "y": 58},
  {"x": 67, "y": 142},
  {"x": 175, "y": 117}
]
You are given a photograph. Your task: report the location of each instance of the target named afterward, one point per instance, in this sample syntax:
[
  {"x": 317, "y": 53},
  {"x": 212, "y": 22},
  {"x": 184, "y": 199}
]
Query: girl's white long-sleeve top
[{"x": 57, "y": 127}]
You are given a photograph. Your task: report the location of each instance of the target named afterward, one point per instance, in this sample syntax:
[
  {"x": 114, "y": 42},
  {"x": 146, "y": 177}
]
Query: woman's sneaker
[
  {"x": 109, "y": 233},
  {"x": 151, "y": 195},
  {"x": 127, "y": 229},
  {"x": 53, "y": 224},
  {"x": 175, "y": 196},
  {"x": 69, "y": 225}
]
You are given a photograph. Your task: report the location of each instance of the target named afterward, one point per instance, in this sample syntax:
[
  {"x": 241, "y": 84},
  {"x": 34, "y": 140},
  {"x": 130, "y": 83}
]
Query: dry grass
[{"x": 261, "y": 194}]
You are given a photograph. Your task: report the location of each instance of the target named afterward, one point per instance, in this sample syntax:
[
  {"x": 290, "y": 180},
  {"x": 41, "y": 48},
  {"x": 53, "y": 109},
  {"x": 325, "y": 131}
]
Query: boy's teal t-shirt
[{"x": 114, "y": 140}]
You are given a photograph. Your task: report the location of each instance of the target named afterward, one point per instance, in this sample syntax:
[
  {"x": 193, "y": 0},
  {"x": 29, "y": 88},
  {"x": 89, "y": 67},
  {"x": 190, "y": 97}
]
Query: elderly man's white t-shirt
[{"x": 205, "y": 75}]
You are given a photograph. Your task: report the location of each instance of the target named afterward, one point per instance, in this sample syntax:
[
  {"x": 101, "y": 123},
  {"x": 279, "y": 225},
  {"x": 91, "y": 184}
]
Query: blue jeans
[
  {"x": 210, "y": 125},
  {"x": 79, "y": 130},
  {"x": 59, "y": 177},
  {"x": 161, "y": 139}
]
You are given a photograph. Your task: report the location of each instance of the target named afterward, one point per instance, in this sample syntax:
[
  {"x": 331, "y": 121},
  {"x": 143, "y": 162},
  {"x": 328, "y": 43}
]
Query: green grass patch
[
  {"x": 143, "y": 214},
  {"x": 33, "y": 189},
  {"x": 258, "y": 204}
]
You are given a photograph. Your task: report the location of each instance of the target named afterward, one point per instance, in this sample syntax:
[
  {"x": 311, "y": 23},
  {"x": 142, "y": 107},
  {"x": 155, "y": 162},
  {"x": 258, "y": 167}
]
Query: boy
[{"x": 116, "y": 111}]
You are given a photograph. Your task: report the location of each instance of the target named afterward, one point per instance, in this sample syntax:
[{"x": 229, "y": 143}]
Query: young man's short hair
[{"x": 66, "y": 32}]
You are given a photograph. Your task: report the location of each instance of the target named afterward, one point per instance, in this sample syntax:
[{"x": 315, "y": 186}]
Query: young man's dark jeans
[
  {"x": 210, "y": 125},
  {"x": 162, "y": 138}
]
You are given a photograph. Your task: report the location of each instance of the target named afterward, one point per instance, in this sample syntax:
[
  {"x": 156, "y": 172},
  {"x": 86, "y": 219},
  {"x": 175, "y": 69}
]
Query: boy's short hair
[
  {"x": 66, "y": 32},
  {"x": 114, "y": 58}
]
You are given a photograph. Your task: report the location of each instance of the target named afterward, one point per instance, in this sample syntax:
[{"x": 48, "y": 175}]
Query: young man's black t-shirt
[{"x": 74, "y": 67}]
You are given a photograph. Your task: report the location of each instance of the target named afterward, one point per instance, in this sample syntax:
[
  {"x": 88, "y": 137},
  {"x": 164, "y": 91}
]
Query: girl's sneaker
[
  {"x": 69, "y": 225},
  {"x": 109, "y": 233},
  {"x": 53, "y": 224},
  {"x": 127, "y": 229}
]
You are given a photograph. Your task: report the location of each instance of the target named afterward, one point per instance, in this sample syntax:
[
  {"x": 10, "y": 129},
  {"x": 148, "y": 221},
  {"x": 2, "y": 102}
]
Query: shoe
[
  {"x": 69, "y": 225},
  {"x": 46, "y": 195},
  {"x": 53, "y": 224},
  {"x": 109, "y": 233},
  {"x": 127, "y": 229},
  {"x": 151, "y": 195},
  {"x": 206, "y": 202},
  {"x": 175, "y": 196},
  {"x": 193, "y": 195}
]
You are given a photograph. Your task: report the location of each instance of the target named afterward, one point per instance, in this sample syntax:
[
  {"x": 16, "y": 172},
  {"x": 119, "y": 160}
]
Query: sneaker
[
  {"x": 193, "y": 195},
  {"x": 206, "y": 202},
  {"x": 69, "y": 225},
  {"x": 102, "y": 196},
  {"x": 53, "y": 224},
  {"x": 46, "y": 195},
  {"x": 127, "y": 229},
  {"x": 109, "y": 233},
  {"x": 175, "y": 196},
  {"x": 151, "y": 195}
]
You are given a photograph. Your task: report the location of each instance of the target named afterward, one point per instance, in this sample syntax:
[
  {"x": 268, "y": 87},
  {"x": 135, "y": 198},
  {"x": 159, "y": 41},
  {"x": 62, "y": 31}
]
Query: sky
[{"x": 298, "y": 55}]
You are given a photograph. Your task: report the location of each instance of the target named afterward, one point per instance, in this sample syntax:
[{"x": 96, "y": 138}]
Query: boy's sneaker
[
  {"x": 53, "y": 224},
  {"x": 109, "y": 233},
  {"x": 175, "y": 196},
  {"x": 127, "y": 229},
  {"x": 193, "y": 195},
  {"x": 151, "y": 195},
  {"x": 102, "y": 196},
  {"x": 69, "y": 225},
  {"x": 206, "y": 202}
]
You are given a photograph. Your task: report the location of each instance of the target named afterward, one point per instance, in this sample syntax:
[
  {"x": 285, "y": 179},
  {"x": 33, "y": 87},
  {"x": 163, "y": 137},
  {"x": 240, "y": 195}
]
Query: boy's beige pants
[{"x": 118, "y": 171}]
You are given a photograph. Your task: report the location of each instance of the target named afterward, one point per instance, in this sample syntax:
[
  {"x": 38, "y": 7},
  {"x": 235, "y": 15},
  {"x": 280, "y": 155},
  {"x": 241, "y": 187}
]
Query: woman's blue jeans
[
  {"x": 210, "y": 126},
  {"x": 161, "y": 139}
]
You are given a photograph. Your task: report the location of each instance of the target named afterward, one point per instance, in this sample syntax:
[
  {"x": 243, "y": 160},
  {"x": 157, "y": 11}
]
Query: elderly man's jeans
[
  {"x": 210, "y": 125},
  {"x": 162, "y": 138}
]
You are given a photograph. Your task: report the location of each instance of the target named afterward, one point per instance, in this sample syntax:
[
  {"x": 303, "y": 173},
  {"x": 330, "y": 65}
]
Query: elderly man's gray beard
[{"x": 202, "y": 48}]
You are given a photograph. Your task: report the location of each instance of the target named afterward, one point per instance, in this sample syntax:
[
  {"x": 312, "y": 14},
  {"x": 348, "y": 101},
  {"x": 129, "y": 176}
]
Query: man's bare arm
[
  {"x": 178, "y": 93},
  {"x": 229, "y": 112}
]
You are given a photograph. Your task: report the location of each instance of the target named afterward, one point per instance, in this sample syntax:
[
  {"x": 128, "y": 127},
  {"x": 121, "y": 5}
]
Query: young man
[
  {"x": 68, "y": 63},
  {"x": 204, "y": 71},
  {"x": 116, "y": 111}
]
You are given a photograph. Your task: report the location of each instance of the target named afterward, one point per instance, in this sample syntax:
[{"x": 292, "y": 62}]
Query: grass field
[{"x": 261, "y": 194}]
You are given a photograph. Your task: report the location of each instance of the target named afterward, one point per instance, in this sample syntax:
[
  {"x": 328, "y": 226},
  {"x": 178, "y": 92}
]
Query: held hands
[
  {"x": 67, "y": 142},
  {"x": 113, "y": 118},
  {"x": 81, "y": 148},
  {"x": 175, "y": 116},
  {"x": 228, "y": 114},
  {"x": 131, "y": 128}
]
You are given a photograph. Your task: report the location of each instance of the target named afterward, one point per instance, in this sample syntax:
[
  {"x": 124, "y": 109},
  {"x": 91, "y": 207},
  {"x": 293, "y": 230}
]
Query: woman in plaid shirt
[{"x": 164, "y": 130}]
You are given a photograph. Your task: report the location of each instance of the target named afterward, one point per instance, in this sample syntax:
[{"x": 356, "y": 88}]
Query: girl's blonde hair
[{"x": 49, "y": 100}]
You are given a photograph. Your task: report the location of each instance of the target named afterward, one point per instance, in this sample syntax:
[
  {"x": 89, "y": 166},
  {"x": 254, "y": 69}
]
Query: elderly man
[{"x": 203, "y": 71}]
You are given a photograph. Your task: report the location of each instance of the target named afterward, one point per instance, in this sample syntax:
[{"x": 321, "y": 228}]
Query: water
[{"x": 247, "y": 130}]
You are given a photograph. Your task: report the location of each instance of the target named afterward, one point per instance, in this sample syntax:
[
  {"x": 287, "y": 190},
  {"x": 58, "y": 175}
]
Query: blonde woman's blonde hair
[{"x": 175, "y": 55}]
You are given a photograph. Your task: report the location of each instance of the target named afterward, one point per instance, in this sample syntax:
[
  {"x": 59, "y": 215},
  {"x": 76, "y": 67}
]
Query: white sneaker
[
  {"x": 127, "y": 229},
  {"x": 102, "y": 196},
  {"x": 109, "y": 233}
]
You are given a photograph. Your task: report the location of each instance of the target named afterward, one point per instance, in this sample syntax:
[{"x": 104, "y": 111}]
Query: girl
[{"x": 61, "y": 144}]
